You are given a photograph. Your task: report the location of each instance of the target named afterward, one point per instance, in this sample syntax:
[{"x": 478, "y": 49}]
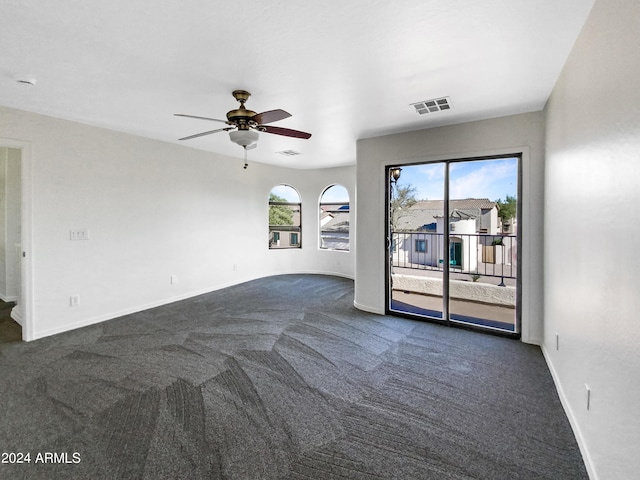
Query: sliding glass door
[
  {"x": 453, "y": 242},
  {"x": 415, "y": 261}
]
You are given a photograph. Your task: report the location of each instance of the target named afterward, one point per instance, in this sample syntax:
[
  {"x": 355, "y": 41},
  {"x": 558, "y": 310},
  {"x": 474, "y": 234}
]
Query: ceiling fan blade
[
  {"x": 287, "y": 132},
  {"x": 206, "y": 133},
  {"x": 270, "y": 116},
  {"x": 199, "y": 118}
]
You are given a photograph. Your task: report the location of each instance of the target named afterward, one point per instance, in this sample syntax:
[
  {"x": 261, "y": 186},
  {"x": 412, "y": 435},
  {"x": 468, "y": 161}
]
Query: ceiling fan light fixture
[{"x": 244, "y": 138}]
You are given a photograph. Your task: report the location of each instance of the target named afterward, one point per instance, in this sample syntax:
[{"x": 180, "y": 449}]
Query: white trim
[
  {"x": 120, "y": 313},
  {"x": 588, "y": 461},
  {"x": 25, "y": 311},
  {"x": 128, "y": 311},
  {"x": 497, "y": 152},
  {"x": 319, "y": 218},
  {"x": 368, "y": 309},
  {"x": 527, "y": 317},
  {"x": 16, "y": 314}
]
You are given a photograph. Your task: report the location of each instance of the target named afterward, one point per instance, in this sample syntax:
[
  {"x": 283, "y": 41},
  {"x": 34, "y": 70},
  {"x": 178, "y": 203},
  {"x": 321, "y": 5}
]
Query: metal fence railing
[{"x": 480, "y": 254}]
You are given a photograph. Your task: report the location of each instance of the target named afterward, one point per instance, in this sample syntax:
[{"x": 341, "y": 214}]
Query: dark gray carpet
[
  {"x": 281, "y": 378},
  {"x": 10, "y": 331}
]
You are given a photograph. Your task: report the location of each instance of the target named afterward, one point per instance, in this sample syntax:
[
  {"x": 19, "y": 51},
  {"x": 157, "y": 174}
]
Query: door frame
[
  {"x": 24, "y": 313},
  {"x": 520, "y": 154}
]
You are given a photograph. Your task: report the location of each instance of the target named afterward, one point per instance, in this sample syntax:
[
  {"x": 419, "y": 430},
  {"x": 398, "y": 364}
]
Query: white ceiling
[{"x": 345, "y": 69}]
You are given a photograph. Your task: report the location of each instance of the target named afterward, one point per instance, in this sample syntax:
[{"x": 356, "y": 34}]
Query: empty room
[{"x": 319, "y": 240}]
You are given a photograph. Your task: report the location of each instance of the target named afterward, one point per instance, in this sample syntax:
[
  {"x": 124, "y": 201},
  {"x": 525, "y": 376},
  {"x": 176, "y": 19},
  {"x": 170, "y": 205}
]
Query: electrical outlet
[
  {"x": 557, "y": 341},
  {"x": 79, "y": 234},
  {"x": 235, "y": 267},
  {"x": 174, "y": 279},
  {"x": 74, "y": 300}
]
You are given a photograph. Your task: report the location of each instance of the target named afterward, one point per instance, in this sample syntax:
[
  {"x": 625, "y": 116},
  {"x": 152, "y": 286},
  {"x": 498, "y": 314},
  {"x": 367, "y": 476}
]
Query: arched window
[
  {"x": 334, "y": 218},
  {"x": 285, "y": 218}
]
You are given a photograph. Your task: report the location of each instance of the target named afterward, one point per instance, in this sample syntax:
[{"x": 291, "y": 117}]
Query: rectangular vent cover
[
  {"x": 433, "y": 105},
  {"x": 288, "y": 153}
]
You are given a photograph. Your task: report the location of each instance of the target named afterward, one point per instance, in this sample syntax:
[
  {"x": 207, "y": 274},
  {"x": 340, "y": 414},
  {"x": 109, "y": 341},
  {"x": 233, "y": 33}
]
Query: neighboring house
[
  {"x": 474, "y": 228},
  {"x": 286, "y": 236},
  {"x": 425, "y": 212},
  {"x": 425, "y": 246},
  {"x": 334, "y": 227}
]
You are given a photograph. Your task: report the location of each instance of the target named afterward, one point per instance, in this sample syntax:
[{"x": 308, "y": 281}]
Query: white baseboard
[
  {"x": 128, "y": 311},
  {"x": 368, "y": 309},
  {"x": 531, "y": 340},
  {"x": 16, "y": 314},
  {"x": 572, "y": 419}
]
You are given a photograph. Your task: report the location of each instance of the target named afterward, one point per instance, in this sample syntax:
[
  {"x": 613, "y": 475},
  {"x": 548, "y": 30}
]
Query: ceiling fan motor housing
[{"x": 241, "y": 117}]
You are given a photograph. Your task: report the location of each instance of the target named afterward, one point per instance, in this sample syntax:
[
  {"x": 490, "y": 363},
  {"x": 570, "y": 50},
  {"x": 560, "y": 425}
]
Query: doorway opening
[
  {"x": 468, "y": 208},
  {"x": 15, "y": 233}
]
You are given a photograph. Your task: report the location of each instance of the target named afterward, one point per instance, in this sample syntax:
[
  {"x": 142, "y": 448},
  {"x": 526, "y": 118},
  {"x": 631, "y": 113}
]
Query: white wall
[
  {"x": 153, "y": 210},
  {"x": 518, "y": 133},
  {"x": 592, "y": 270}
]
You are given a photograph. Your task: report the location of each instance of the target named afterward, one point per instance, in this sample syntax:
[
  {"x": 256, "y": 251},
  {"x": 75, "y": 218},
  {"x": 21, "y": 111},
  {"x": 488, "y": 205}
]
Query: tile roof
[
  {"x": 339, "y": 223},
  {"x": 425, "y": 212},
  {"x": 455, "y": 204}
]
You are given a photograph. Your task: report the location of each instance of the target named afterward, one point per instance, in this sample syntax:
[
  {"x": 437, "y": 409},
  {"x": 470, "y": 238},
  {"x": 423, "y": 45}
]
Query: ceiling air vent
[
  {"x": 288, "y": 153},
  {"x": 434, "y": 105}
]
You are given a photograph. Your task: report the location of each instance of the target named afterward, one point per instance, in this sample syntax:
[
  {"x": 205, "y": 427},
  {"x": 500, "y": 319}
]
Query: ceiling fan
[{"x": 245, "y": 124}]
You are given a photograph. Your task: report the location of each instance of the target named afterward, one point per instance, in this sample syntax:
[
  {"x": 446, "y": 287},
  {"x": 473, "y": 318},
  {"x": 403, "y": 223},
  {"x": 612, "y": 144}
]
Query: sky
[
  {"x": 493, "y": 179},
  {"x": 333, "y": 194}
]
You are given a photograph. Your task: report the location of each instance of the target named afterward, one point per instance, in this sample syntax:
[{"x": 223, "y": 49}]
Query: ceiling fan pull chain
[{"x": 245, "y": 158}]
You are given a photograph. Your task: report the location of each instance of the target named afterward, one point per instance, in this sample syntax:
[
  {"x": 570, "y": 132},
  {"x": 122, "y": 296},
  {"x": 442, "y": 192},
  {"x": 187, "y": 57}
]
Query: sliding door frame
[{"x": 446, "y": 320}]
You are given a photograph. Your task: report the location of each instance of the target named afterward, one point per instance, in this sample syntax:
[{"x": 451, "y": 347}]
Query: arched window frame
[
  {"x": 283, "y": 236},
  {"x": 331, "y": 227}
]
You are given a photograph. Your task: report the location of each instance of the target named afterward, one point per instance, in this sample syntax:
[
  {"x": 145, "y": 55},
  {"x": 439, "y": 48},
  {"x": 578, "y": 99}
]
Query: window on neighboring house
[
  {"x": 334, "y": 218},
  {"x": 421, "y": 246},
  {"x": 285, "y": 217}
]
